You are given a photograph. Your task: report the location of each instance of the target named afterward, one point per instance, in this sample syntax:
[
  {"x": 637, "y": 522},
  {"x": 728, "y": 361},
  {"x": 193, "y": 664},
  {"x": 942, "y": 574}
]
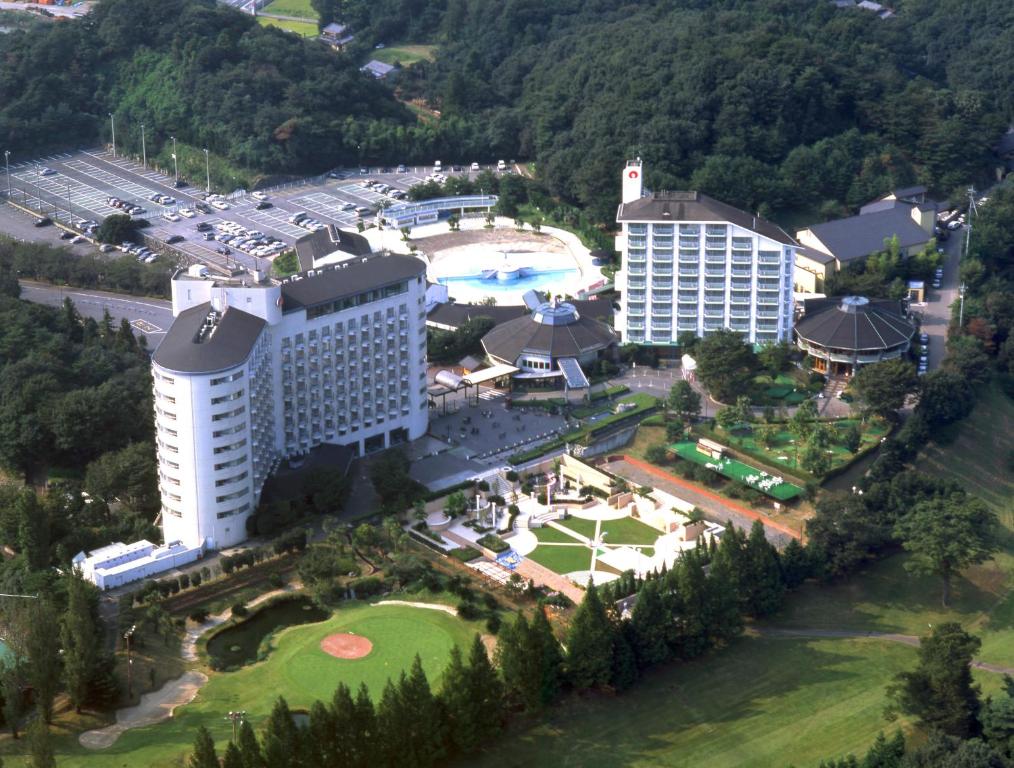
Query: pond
[{"x": 237, "y": 645}]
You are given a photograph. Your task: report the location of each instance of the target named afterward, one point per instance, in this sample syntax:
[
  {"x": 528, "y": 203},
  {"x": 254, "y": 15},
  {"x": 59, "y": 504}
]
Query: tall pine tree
[
  {"x": 544, "y": 645},
  {"x": 204, "y": 755},
  {"x": 649, "y": 623},
  {"x": 249, "y": 747},
  {"x": 81, "y": 642},
  {"x": 762, "y": 574},
  {"x": 590, "y": 644},
  {"x": 281, "y": 737}
]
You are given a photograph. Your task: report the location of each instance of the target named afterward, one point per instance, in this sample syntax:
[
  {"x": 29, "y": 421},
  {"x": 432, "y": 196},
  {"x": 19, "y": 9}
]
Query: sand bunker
[{"x": 346, "y": 646}]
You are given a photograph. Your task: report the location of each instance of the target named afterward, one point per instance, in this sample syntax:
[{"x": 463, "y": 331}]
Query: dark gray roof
[
  {"x": 858, "y": 236},
  {"x": 523, "y": 334},
  {"x": 814, "y": 255},
  {"x": 348, "y": 278},
  {"x": 917, "y": 191},
  {"x": 229, "y": 345},
  {"x": 377, "y": 68},
  {"x": 456, "y": 315},
  {"x": 854, "y": 323},
  {"x": 694, "y": 206},
  {"x": 334, "y": 28},
  {"x": 326, "y": 241}
]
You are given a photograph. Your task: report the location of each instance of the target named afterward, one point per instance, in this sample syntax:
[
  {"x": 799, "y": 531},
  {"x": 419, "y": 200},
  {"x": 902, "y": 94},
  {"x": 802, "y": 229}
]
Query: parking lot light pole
[
  {"x": 207, "y": 169},
  {"x": 176, "y": 168},
  {"x": 38, "y": 186},
  {"x": 112, "y": 123},
  {"x": 70, "y": 215},
  {"x": 144, "y": 151},
  {"x": 7, "y": 163}
]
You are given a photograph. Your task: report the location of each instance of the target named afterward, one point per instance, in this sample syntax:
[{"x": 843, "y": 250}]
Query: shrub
[
  {"x": 367, "y": 586},
  {"x": 199, "y": 615},
  {"x": 240, "y": 610},
  {"x": 490, "y": 601},
  {"x": 464, "y": 554},
  {"x": 493, "y": 624},
  {"x": 469, "y": 610},
  {"x": 228, "y": 565},
  {"x": 185, "y": 581},
  {"x": 276, "y": 580},
  {"x": 494, "y": 543}
]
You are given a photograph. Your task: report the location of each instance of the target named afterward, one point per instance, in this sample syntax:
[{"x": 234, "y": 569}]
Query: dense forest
[{"x": 775, "y": 105}]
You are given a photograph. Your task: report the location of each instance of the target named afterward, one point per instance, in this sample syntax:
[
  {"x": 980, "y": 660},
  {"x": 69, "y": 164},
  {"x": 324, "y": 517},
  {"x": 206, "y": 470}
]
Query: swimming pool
[{"x": 537, "y": 280}]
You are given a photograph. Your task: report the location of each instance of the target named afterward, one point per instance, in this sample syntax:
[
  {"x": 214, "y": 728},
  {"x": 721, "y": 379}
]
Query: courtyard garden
[{"x": 751, "y": 477}]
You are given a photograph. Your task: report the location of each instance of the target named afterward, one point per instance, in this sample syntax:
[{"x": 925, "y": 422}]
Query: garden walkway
[{"x": 892, "y": 637}]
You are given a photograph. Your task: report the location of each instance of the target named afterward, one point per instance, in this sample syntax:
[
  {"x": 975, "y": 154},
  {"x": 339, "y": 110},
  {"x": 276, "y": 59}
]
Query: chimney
[{"x": 632, "y": 181}]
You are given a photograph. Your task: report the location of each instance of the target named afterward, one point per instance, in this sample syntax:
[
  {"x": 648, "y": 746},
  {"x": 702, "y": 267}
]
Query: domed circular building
[
  {"x": 841, "y": 334},
  {"x": 553, "y": 341}
]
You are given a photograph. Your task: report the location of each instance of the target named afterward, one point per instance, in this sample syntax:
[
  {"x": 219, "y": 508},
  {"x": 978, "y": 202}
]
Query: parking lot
[{"x": 75, "y": 187}]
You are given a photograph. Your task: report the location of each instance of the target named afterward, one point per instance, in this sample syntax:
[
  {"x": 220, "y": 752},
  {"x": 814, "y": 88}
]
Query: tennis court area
[{"x": 751, "y": 477}]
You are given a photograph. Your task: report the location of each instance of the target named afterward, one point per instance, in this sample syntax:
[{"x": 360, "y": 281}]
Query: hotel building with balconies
[
  {"x": 692, "y": 264},
  {"x": 252, "y": 372}
]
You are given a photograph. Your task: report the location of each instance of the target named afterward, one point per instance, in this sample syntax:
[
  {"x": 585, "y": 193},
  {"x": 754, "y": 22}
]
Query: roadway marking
[{"x": 145, "y": 327}]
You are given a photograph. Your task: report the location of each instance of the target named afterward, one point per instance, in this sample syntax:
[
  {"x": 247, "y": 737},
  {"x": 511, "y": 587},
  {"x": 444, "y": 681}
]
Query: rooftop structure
[
  {"x": 329, "y": 245},
  {"x": 117, "y": 564},
  {"x": 378, "y": 69},
  {"x": 540, "y": 341},
  {"x": 841, "y": 334}
]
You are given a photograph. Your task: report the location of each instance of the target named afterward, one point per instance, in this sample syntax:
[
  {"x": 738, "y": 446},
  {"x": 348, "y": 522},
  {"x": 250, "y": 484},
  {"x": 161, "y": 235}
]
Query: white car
[
  {"x": 47, "y": 172},
  {"x": 170, "y": 216},
  {"x": 220, "y": 205},
  {"x": 475, "y": 166},
  {"x": 260, "y": 195},
  {"x": 186, "y": 212}
]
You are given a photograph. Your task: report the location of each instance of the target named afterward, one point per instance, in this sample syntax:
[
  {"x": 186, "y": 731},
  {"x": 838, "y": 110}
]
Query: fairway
[
  {"x": 752, "y": 705},
  {"x": 406, "y": 55},
  {"x": 301, "y": 28},
  {"x": 297, "y": 669}
]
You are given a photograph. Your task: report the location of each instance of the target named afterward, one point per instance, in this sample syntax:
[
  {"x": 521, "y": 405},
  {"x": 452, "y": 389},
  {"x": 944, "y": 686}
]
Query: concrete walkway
[
  {"x": 891, "y": 637},
  {"x": 716, "y": 509},
  {"x": 159, "y": 705},
  {"x": 542, "y": 576}
]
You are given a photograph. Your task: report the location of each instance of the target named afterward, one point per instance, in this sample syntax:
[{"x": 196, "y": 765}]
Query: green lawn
[
  {"x": 296, "y": 669},
  {"x": 735, "y": 470},
  {"x": 782, "y": 452},
  {"x": 977, "y": 458},
  {"x": 562, "y": 558},
  {"x": 751, "y": 705},
  {"x": 553, "y": 535},
  {"x": 301, "y": 28},
  {"x": 626, "y": 530},
  {"x": 300, "y": 8},
  {"x": 406, "y": 55}
]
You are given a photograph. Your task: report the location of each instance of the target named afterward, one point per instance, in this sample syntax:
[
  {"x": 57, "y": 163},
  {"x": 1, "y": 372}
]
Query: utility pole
[
  {"x": 207, "y": 170},
  {"x": 112, "y": 122},
  {"x": 961, "y": 307},
  {"x": 7, "y": 163},
  {"x": 70, "y": 215},
  {"x": 38, "y": 187},
  {"x": 176, "y": 168},
  {"x": 144, "y": 151}
]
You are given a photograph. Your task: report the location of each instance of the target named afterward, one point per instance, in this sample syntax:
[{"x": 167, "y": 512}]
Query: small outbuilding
[{"x": 841, "y": 334}]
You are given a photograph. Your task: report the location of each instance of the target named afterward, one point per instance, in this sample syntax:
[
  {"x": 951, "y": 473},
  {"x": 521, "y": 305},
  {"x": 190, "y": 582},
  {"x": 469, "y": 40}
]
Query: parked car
[
  {"x": 263, "y": 205},
  {"x": 186, "y": 213},
  {"x": 475, "y": 166},
  {"x": 402, "y": 168},
  {"x": 45, "y": 221},
  {"x": 220, "y": 205},
  {"x": 175, "y": 239},
  {"x": 47, "y": 172},
  {"x": 79, "y": 239},
  {"x": 106, "y": 248},
  {"x": 66, "y": 235},
  {"x": 924, "y": 338},
  {"x": 260, "y": 195}
]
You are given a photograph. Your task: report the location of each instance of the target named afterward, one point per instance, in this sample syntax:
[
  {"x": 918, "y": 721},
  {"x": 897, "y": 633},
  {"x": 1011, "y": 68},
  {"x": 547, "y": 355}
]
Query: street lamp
[
  {"x": 237, "y": 718},
  {"x": 207, "y": 169},
  {"x": 961, "y": 309},
  {"x": 112, "y": 123},
  {"x": 128, "y": 636},
  {"x": 144, "y": 151},
  {"x": 38, "y": 186},
  {"x": 7, "y": 163},
  {"x": 176, "y": 168}
]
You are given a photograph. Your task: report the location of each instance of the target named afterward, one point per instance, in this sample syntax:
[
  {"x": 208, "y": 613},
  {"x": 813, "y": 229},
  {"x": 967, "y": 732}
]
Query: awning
[
  {"x": 572, "y": 373},
  {"x": 489, "y": 374}
]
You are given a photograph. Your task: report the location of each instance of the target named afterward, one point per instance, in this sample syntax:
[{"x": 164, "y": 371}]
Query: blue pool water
[{"x": 538, "y": 280}]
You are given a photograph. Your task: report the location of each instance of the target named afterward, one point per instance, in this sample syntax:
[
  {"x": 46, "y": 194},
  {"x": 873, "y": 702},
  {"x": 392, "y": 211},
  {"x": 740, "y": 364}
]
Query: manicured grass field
[
  {"x": 782, "y": 452},
  {"x": 562, "y": 559},
  {"x": 761, "y": 703},
  {"x": 626, "y": 530},
  {"x": 301, "y": 28},
  {"x": 301, "y": 8},
  {"x": 736, "y": 470},
  {"x": 553, "y": 535},
  {"x": 977, "y": 458},
  {"x": 406, "y": 55},
  {"x": 296, "y": 669}
]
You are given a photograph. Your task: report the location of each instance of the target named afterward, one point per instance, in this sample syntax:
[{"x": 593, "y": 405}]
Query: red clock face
[{"x": 632, "y": 174}]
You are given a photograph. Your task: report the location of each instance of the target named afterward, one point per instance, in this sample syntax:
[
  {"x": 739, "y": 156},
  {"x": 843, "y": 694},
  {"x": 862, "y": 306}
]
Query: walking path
[
  {"x": 716, "y": 508},
  {"x": 532, "y": 571},
  {"x": 892, "y": 637},
  {"x": 159, "y": 705}
]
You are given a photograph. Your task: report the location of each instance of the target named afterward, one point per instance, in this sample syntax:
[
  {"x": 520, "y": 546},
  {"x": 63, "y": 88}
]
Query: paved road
[
  {"x": 936, "y": 313},
  {"x": 152, "y": 317}
]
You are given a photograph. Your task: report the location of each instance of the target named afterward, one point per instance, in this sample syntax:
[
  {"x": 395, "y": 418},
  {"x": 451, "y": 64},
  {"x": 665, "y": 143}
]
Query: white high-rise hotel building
[
  {"x": 694, "y": 264},
  {"x": 252, "y": 373}
]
